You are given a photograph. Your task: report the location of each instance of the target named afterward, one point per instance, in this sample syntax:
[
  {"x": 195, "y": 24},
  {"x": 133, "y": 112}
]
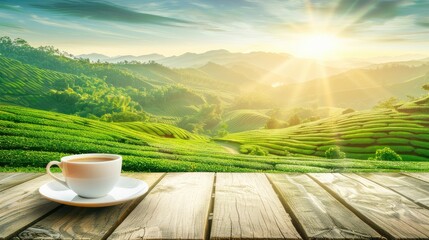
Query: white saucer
[{"x": 126, "y": 189}]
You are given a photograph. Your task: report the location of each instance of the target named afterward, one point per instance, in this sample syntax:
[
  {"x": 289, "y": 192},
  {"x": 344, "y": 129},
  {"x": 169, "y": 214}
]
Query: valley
[{"x": 216, "y": 111}]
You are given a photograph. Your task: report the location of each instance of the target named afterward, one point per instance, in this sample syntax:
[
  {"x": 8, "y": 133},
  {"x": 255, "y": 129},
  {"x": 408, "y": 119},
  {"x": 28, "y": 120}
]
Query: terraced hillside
[
  {"x": 30, "y": 138},
  {"x": 27, "y": 85},
  {"x": 161, "y": 130},
  {"x": 245, "y": 120},
  {"x": 30, "y": 86},
  {"x": 52, "y": 59},
  {"x": 359, "y": 134}
]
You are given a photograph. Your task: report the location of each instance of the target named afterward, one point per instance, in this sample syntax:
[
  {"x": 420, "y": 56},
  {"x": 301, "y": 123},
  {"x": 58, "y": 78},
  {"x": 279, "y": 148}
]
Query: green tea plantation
[{"x": 30, "y": 138}]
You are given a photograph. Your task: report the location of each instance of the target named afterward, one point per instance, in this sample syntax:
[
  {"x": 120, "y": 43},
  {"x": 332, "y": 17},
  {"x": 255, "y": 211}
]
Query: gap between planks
[
  {"x": 316, "y": 213},
  {"x": 393, "y": 216},
  {"x": 211, "y": 208},
  {"x": 151, "y": 187},
  {"x": 299, "y": 228},
  {"x": 79, "y": 222},
  {"x": 8, "y": 180},
  {"x": 247, "y": 207},
  {"x": 414, "y": 189},
  {"x": 177, "y": 208},
  {"x": 420, "y": 176}
]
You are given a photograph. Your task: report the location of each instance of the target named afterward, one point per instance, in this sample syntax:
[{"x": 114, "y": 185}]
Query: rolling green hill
[
  {"x": 224, "y": 74},
  {"x": 245, "y": 120},
  {"x": 359, "y": 134},
  {"x": 203, "y": 82},
  {"x": 359, "y": 88},
  {"x": 143, "y": 101},
  {"x": 161, "y": 130},
  {"x": 27, "y": 85},
  {"x": 30, "y": 138},
  {"x": 52, "y": 59}
]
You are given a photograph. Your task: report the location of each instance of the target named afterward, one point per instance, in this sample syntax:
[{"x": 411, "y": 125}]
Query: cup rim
[{"x": 114, "y": 158}]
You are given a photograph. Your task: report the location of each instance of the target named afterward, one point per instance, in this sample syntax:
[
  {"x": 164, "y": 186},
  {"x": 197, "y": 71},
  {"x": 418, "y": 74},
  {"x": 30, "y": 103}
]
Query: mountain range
[
  {"x": 256, "y": 80},
  {"x": 271, "y": 68}
]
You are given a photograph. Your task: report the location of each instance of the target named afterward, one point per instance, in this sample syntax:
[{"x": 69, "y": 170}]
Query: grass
[
  {"x": 30, "y": 138},
  {"x": 245, "y": 120}
]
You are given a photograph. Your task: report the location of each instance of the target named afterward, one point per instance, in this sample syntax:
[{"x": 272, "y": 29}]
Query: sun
[{"x": 317, "y": 45}]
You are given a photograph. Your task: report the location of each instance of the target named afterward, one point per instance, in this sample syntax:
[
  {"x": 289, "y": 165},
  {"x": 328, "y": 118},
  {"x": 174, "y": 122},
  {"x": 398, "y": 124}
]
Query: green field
[
  {"x": 244, "y": 120},
  {"x": 192, "y": 119},
  {"x": 358, "y": 134},
  {"x": 30, "y": 138}
]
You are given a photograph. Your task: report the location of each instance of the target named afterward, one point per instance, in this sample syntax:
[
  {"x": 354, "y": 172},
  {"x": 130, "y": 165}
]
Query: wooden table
[{"x": 229, "y": 206}]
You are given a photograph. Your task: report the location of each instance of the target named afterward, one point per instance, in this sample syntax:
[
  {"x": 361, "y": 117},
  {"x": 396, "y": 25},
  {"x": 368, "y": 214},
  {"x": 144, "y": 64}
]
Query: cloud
[
  {"x": 10, "y": 7},
  {"x": 109, "y": 12},
  {"x": 9, "y": 25},
  {"x": 368, "y": 9},
  {"x": 72, "y": 26},
  {"x": 423, "y": 22}
]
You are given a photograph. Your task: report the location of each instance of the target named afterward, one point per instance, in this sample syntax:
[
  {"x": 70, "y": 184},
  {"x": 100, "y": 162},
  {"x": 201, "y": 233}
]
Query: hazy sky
[{"x": 351, "y": 28}]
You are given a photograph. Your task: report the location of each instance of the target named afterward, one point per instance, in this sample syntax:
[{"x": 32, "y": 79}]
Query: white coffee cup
[{"x": 89, "y": 175}]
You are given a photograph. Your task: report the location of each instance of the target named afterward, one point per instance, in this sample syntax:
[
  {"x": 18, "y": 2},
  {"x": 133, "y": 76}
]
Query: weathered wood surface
[
  {"x": 318, "y": 213},
  {"x": 8, "y": 180},
  {"x": 86, "y": 223},
  {"x": 247, "y": 207},
  {"x": 177, "y": 208},
  {"x": 390, "y": 213},
  {"x": 412, "y": 188},
  {"x": 421, "y": 176},
  {"x": 22, "y": 205}
]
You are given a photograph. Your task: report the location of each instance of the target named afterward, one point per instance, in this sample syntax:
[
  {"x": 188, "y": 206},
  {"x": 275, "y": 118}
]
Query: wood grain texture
[
  {"x": 8, "y": 180},
  {"x": 177, "y": 208},
  {"x": 390, "y": 213},
  {"x": 4, "y": 174},
  {"x": 414, "y": 189},
  {"x": 246, "y": 207},
  {"x": 318, "y": 213},
  {"x": 86, "y": 223},
  {"x": 21, "y": 205},
  {"x": 421, "y": 176}
]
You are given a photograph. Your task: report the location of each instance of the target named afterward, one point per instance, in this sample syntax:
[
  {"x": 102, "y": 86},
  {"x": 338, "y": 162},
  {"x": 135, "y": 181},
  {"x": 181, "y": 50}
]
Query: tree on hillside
[
  {"x": 294, "y": 120},
  {"x": 273, "y": 122},
  {"x": 253, "y": 100},
  {"x": 388, "y": 103},
  {"x": 222, "y": 130},
  {"x": 426, "y": 87},
  {"x": 20, "y": 42},
  {"x": 206, "y": 119}
]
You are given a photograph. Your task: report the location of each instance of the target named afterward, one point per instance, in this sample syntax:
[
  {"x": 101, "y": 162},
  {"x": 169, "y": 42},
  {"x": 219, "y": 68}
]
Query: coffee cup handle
[{"x": 48, "y": 171}]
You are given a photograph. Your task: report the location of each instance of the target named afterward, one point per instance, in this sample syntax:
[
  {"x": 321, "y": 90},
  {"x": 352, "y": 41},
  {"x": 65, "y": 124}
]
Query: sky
[{"x": 305, "y": 28}]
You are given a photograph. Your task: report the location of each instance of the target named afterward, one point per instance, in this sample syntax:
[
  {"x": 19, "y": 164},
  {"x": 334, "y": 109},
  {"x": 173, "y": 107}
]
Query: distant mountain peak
[
  {"x": 210, "y": 63},
  {"x": 152, "y": 55},
  {"x": 218, "y": 51},
  {"x": 93, "y": 56}
]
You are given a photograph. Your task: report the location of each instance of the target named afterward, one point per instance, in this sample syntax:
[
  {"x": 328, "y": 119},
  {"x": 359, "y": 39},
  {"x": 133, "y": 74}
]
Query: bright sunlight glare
[{"x": 317, "y": 45}]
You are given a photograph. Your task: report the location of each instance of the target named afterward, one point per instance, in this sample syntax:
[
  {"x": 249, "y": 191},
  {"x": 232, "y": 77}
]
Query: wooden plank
[
  {"x": 318, "y": 213},
  {"x": 4, "y": 174},
  {"x": 21, "y": 205},
  {"x": 246, "y": 207},
  {"x": 177, "y": 208},
  {"x": 388, "y": 212},
  {"x": 414, "y": 189},
  {"x": 421, "y": 176},
  {"x": 8, "y": 180},
  {"x": 86, "y": 223}
]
